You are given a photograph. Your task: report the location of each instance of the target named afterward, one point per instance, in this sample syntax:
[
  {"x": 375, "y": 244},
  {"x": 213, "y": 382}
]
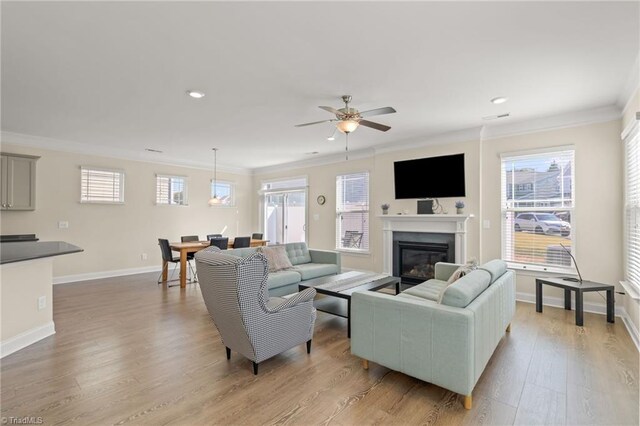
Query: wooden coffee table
[{"x": 340, "y": 287}]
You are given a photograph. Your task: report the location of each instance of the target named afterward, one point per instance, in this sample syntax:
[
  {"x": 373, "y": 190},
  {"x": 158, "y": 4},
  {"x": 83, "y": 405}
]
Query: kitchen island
[{"x": 26, "y": 289}]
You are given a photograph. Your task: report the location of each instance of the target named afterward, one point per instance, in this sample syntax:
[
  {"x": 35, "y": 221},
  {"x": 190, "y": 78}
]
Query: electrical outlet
[
  {"x": 42, "y": 302},
  {"x": 63, "y": 224},
  {"x": 144, "y": 256}
]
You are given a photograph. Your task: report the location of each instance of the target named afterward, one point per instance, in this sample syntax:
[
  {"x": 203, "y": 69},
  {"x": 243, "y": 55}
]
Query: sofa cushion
[
  {"x": 241, "y": 252},
  {"x": 495, "y": 268},
  {"x": 282, "y": 278},
  {"x": 467, "y": 288},
  {"x": 314, "y": 270},
  {"x": 427, "y": 290},
  {"x": 298, "y": 253},
  {"x": 277, "y": 258}
]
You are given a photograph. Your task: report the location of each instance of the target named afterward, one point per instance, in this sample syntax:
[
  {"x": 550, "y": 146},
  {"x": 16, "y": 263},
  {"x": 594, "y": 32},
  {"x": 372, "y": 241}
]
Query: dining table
[{"x": 192, "y": 247}]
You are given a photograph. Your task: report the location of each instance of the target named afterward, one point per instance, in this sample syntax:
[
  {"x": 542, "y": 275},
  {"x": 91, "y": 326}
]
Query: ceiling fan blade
[
  {"x": 331, "y": 110},
  {"x": 315, "y": 122},
  {"x": 377, "y": 126},
  {"x": 377, "y": 111}
]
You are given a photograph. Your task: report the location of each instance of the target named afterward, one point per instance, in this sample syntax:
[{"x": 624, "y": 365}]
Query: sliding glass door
[{"x": 285, "y": 216}]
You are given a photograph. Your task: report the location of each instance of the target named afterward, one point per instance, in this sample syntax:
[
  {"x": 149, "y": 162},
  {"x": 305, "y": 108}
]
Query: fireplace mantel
[{"x": 439, "y": 223}]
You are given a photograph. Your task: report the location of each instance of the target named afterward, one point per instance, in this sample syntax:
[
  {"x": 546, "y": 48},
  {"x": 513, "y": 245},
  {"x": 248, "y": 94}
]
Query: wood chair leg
[
  {"x": 228, "y": 353},
  {"x": 467, "y": 402},
  {"x": 508, "y": 328},
  {"x": 365, "y": 364}
]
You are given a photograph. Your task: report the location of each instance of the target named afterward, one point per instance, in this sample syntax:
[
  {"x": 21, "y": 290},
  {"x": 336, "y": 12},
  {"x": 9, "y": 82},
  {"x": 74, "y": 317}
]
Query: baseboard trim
[
  {"x": 63, "y": 279},
  {"x": 558, "y": 302},
  {"x": 631, "y": 328},
  {"x": 26, "y": 338}
]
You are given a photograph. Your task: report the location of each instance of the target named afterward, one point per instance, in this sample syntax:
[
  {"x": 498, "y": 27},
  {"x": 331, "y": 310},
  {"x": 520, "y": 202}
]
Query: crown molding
[
  {"x": 463, "y": 135},
  {"x": 109, "y": 152},
  {"x": 553, "y": 122}
]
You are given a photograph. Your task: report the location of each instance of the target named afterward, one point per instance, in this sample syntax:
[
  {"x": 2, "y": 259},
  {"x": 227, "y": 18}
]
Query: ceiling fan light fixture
[{"x": 347, "y": 126}]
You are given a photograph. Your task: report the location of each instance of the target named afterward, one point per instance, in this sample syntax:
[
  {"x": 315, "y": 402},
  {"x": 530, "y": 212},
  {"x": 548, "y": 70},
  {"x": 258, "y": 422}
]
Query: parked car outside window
[{"x": 542, "y": 223}]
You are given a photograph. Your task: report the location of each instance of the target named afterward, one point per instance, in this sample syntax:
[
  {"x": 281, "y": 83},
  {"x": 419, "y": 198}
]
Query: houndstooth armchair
[{"x": 249, "y": 321}]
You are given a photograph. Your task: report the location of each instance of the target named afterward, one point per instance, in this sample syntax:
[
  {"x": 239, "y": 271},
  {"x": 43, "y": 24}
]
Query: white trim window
[
  {"x": 632, "y": 208},
  {"x": 98, "y": 185},
  {"x": 352, "y": 212},
  {"x": 225, "y": 191},
  {"x": 171, "y": 190},
  {"x": 538, "y": 199}
]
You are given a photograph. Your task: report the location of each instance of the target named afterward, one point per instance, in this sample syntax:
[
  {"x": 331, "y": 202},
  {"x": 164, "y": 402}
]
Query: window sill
[
  {"x": 103, "y": 202},
  {"x": 632, "y": 290},
  {"x": 354, "y": 252},
  {"x": 537, "y": 269}
]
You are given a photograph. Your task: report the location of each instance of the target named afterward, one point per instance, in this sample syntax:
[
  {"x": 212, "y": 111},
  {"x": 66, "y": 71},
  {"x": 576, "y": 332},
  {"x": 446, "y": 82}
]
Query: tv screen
[{"x": 433, "y": 177}]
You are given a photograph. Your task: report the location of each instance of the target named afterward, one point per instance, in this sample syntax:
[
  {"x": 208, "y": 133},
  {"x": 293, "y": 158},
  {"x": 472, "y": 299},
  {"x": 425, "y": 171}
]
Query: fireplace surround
[{"x": 448, "y": 229}]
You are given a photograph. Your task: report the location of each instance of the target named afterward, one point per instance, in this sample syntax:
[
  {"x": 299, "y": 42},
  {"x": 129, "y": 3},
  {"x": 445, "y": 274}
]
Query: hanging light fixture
[{"x": 215, "y": 200}]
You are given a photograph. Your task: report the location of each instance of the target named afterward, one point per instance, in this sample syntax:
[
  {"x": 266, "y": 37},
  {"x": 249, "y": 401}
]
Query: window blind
[
  {"x": 171, "y": 190},
  {"x": 352, "y": 211},
  {"x": 538, "y": 199},
  {"x": 632, "y": 207},
  {"x": 101, "y": 185}
]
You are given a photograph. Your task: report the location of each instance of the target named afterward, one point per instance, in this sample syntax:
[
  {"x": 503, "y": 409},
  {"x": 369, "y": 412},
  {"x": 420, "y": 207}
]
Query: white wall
[{"x": 115, "y": 236}]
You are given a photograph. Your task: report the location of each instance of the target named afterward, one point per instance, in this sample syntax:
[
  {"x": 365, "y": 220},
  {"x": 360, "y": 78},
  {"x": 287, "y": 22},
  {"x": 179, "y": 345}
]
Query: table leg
[
  {"x": 349, "y": 318},
  {"x": 183, "y": 268},
  {"x": 579, "y": 307},
  {"x": 610, "y": 306},
  {"x": 538, "y": 296},
  {"x": 165, "y": 271},
  {"x": 567, "y": 299}
]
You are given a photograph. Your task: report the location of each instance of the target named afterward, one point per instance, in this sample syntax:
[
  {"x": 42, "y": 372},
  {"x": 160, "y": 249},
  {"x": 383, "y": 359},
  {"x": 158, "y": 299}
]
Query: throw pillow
[
  {"x": 463, "y": 270},
  {"x": 277, "y": 258}
]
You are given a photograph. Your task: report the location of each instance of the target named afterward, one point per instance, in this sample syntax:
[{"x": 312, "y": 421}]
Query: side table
[{"x": 579, "y": 289}]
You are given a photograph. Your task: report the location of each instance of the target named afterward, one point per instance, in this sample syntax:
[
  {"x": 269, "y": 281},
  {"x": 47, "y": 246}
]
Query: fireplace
[{"x": 416, "y": 253}]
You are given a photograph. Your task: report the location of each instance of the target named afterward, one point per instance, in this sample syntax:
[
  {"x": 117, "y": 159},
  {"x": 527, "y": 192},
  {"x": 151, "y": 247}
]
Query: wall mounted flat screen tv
[{"x": 432, "y": 177}]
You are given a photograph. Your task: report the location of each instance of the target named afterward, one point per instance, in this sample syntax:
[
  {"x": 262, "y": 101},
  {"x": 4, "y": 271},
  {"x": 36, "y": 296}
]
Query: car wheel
[
  {"x": 565, "y": 233},
  {"x": 517, "y": 228},
  {"x": 539, "y": 230}
]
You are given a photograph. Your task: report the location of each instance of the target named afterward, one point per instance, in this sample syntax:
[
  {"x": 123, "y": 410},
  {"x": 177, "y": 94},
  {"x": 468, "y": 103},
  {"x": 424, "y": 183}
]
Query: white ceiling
[{"x": 114, "y": 75}]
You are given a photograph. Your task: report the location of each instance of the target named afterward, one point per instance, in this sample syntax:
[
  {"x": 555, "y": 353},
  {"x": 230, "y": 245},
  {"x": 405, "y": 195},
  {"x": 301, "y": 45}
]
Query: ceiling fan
[{"x": 348, "y": 119}]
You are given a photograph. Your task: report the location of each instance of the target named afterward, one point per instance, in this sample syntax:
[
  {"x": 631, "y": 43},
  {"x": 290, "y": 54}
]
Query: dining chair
[
  {"x": 240, "y": 242},
  {"x": 167, "y": 256},
  {"x": 256, "y": 236},
  {"x": 210, "y": 236},
  {"x": 190, "y": 239},
  {"x": 221, "y": 242}
]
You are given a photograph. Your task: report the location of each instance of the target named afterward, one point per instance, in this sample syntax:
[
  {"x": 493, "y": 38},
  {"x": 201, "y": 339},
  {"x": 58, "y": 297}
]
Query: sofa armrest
[
  {"x": 326, "y": 256},
  {"x": 444, "y": 270},
  {"x": 423, "y": 339}
]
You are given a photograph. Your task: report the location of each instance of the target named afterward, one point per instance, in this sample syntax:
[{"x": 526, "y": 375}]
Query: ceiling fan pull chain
[{"x": 346, "y": 147}]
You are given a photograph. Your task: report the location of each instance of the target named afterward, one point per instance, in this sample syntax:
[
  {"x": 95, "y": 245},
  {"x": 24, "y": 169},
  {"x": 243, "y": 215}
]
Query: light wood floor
[{"x": 129, "y": 352}]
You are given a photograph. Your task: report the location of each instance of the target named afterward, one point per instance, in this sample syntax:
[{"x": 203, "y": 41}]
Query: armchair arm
[
  {"x": 304, "y": 296},
  {"x": 444, "y": 270},
  {"x": 325, "y": 256}
]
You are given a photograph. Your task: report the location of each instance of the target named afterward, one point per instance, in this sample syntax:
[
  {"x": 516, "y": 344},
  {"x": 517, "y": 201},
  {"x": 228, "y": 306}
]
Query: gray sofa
[
  {"x": 447, "y": 344},
  {"x": 307, "y": 264}
]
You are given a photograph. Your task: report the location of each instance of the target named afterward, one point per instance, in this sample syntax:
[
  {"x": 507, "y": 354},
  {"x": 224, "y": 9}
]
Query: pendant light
[{"x": 215, "y": 200}]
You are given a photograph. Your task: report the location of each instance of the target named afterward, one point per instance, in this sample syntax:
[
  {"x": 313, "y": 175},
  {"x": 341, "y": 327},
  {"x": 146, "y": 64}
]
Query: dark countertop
[{"x": 29, "y": 250}]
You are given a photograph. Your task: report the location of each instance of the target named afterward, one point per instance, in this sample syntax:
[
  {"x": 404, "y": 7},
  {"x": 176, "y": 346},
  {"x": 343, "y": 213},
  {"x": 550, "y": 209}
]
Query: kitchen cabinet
[{"x": 17, "y": 182}]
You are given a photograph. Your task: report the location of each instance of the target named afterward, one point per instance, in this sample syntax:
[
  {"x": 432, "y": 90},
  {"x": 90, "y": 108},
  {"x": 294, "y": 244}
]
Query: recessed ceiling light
[
  {"x": 331, "y": 138},
  {"x": 499, "y": 100},
  {"x": 195, "y": 94}
]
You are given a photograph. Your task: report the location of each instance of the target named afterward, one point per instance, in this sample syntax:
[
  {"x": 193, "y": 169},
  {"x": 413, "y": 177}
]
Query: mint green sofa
[
  {"x": 447, "y": 344},
  {"x": 307, "y": 264}
]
